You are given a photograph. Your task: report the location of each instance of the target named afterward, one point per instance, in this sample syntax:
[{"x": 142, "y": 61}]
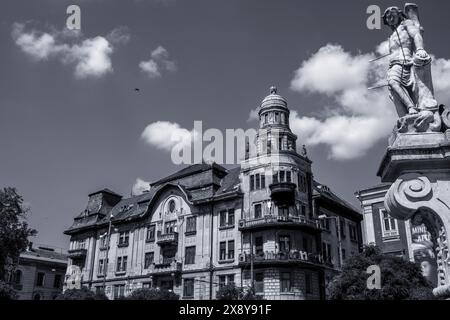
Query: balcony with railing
[
  {"x": 166, "y": 265},
  {"x": 276, "y": 221},
  {"x": 167, "y": 238},
  {"x": 283, "y": 192},
  {"x": 282, "y": 257},
  {"x": 79, "y": 253}
]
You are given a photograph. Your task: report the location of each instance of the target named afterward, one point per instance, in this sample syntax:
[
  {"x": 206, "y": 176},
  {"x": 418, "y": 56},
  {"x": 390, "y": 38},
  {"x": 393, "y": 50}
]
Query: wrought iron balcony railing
[
  {"x": 278, "y": 221},
  {"x": 270, "y": 257},
  {"x": 77, "y": 253},
  {"x": 167, "y": 238}
]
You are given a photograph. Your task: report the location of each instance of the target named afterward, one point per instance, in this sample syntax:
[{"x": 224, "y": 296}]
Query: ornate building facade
[{"x": 265, "y": 224}]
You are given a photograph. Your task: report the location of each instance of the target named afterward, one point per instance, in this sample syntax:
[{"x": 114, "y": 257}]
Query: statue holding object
[{"x": 409, "y": 76}]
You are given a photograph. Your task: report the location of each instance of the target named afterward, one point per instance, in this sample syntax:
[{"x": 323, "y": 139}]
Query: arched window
[
  {"x": 17, "y": 277},
  {"x": 37, "y": 296}
]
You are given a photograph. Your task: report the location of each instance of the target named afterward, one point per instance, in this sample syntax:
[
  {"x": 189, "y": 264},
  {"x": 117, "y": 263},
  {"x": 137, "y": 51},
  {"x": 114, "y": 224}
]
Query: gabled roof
[
  {"x": 190, "y": 170},
  {"x": 322, "y": 191},
  {"x": 44, "y": 254},
  {"x": 105, "y": 190}
]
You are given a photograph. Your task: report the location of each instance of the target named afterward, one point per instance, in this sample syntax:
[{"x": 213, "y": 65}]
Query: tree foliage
[
  {"x": 7, "y": 292},
  {"x": 81, "y": 294},
  {"x": 152, "y": 294},
  {"x": 400, "y": 279},
  {"x": 232, "y": 292},
  {"x": 14, "y": 230}
]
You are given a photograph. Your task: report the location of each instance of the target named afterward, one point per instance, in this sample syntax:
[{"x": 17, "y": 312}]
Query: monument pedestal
[{"x": 418, "y": 166}]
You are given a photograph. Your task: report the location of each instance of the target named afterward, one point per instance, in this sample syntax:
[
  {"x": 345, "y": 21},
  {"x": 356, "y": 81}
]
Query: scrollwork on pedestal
[{"x": 407, "y": 195}]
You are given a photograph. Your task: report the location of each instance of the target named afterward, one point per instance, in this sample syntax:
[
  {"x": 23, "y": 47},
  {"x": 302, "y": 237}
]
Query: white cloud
[
  {"x": 159, "y": 61},
  {"x": 91, "y": 57},
  {"x": 120, "y": 35},
  {"x": 165, "y": 135},
  {"x": 253, "y": 115},
  {"x": 360, "y": 117},
  {"x": 150, "y": 68},
  {"x": 331, "y": 70},
  {"x": 140, "y": 186}
]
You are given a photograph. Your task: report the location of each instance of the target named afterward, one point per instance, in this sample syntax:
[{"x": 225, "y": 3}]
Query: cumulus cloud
[
  {"x": 90, "y": 57},
  {"x": 166, "y": 135},
  {"x": 253, "y": 115},
  {"x": 140, "y": 186},
  {"x": 159, "y": 61},
  {"x": 359, "y": 118}
]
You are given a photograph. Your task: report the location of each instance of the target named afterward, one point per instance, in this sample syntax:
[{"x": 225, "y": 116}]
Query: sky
[{"x": 71, "y": 121}]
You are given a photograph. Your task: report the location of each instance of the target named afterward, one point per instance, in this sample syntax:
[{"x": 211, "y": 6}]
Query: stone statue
[{"x": 409, "y": 75}]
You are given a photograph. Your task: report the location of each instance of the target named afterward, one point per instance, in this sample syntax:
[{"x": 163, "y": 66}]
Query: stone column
[{"x": 418, "y": 166}]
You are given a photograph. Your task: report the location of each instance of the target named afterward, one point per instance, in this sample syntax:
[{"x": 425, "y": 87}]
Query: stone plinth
[{"x": 418, "y": 166}]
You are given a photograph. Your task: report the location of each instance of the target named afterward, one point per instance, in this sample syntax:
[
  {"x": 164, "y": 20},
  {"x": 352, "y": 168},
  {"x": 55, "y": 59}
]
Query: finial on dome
[{"x": 273, "y": 90}]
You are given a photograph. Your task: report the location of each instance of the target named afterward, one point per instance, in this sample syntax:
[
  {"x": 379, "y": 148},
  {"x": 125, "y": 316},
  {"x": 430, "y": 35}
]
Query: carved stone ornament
[{"x": 408, "y": 193}]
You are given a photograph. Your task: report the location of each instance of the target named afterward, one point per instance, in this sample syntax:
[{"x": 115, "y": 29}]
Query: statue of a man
[{"x": 409, "y": 75}]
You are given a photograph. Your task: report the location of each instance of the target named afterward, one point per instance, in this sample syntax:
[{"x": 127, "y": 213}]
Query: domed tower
[
  {"x": 274, "y": 123},
  {"x": 281, "y": 235}
]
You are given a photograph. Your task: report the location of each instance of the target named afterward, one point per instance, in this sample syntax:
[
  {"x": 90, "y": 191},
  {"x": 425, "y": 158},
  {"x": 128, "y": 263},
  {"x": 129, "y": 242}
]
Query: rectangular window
[
  {"x": 222, "y": 281},
  {"x": 285, "y": 282},
  {"x": 40, "y": 279},
  {"x": 191, "y": 225},
  {"x": 231, "y": 217},
  {"x": 223, "y": 250},
  {"x": 283, "y": 212},
  {"x": 230, "y": 279},
  {"x": 258, "y": 210},
  {"x": 284, "y": 243},
  {"x": 188, "y": 288},
  {"x": 170, "y": 227},
  {"x": 275, "y": 177},
  {"x": 263, "y": 181},
  {"x": 231, "y": 249},
  {"x": 388, "y": 224},
  {"x": 308, "y": 282},
  {"x": 190, "y": 255},
  {"x": 353, "y": 232},
  {"x": 259, "y": 246},
  {"x": 258, "y": 182},
  {"x": 150, "y": 233},
  {"x": 282, "y": 176},
  {"x": 101, "y": 266},
  {"x": 57, "y": 281},
  {"x": 148, "y": 259},
  {"x": 305, "y": 244},
  {"x": 123, "y": 238},
  {"x": 119, "y": 291},
  {"x": 99, "y": 289},
  {"x": 252, "y": 182},
  {"x": 223, "y": 218},
  {"x": 259, "y": 282},
  {"x": 288, "y": 176},
  {"x": 343, "y": 254},
  {"x": 103, "y": 242},
  {"x": 122, "y": 264},
  {"x": 342, "y": 228}
]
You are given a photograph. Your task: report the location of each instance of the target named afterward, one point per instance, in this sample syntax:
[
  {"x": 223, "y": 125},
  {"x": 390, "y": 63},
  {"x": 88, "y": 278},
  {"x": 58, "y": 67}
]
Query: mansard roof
[
  {"x": 324, "y": 193},
  {"x": 137, "y": 206}
]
